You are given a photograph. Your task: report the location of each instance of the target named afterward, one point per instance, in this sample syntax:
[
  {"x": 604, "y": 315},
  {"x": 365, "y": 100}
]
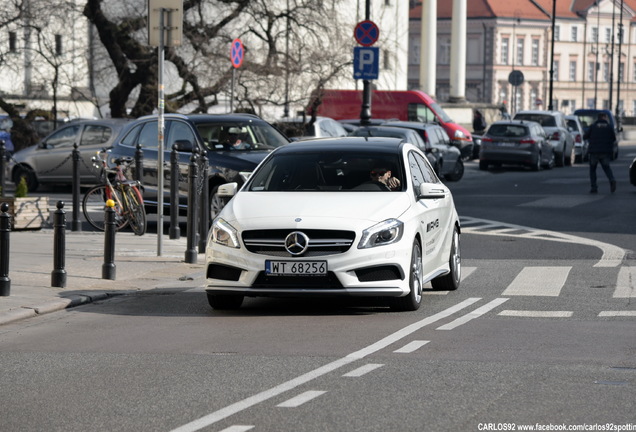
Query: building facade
[{"x": 594, "y": 66}]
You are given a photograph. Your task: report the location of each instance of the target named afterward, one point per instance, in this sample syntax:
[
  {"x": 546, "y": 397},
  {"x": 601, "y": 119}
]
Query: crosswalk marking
[
  {"x": 625, "y": 286},
  {"x": 536, "y": 314},
  {"x": 538, "y": 281},
  {"x": 363, "y": 370},
  {"x": 301, "y": 399},
  {"x": 617, "y": 314},
  {"x": 411, "y": 347},
  {"x": 472, "y": 315}
]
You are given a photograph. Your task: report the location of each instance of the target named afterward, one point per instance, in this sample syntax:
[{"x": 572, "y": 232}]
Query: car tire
[
  {"x": 559, "y": 158},
  {"x": 29, "y": 175},
  {"x": 458, "y": 171},
  {"x": 413, "y": 299},
  {"x": 225, "y": 302},
  {"x": 632, "y": 173},
  {"x": 483, "y": 165},
  {"x": 536, "y": 166},
  {"x": 451, "y": 280},
  {"x": 550, "y": 163}
]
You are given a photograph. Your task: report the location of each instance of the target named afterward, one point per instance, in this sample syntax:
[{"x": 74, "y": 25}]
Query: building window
[
  {"x": 13, "y": 42},
  {"x": 572, "y": 70},
  {"x": 590, "y": 71},
  {"x": 594, "y": 34},
  {"x": 555, "y": 68},
  {"x": 504, "y": 50},
  {"x": 58, "y": 45},
  {"x": 443, "y": 56},
  {"x": 535, "y": 52},
  {"x": 608, "y": 35},
  {"x": 575, "y": 34},
  {"x": 520, "y": 43},
  {"x": 606, "y": 72},
  {"x": 590, "y": 103},
  {"x": 621, "y": 72},
  {"x": 557, "y": 33}
]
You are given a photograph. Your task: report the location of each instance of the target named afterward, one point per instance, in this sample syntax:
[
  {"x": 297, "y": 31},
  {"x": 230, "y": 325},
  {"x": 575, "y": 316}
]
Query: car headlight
[
  {"x": 459, "y": 135},
  {"x": 384, "y": 233},
  {"x": 224, "y": 234}
]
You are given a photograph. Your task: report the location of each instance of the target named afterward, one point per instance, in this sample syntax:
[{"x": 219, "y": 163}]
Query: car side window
[
  {"x": 95, "y": 135},
  {"x": 421, "y": 172},
  {"x": 149, "y": 135},
  {"x": 64, "y": 137},
  {"x": 179, "y": 131}
]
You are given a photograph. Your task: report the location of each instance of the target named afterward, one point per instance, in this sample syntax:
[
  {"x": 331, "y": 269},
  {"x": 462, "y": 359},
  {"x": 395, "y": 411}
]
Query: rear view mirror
[
  {"x": 227, "y": 190},
  {"x": 184, "y": 146},
  {"x": 431, "y": 191}
]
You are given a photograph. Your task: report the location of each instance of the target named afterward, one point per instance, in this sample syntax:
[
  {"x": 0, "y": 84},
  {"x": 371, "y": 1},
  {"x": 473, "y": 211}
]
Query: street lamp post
[
  {"x": 611, "y": 61},
  {"x": 620, "y": 72},
  {"x": 598, "y": 34},
  {"x": 550, "y": 105}
]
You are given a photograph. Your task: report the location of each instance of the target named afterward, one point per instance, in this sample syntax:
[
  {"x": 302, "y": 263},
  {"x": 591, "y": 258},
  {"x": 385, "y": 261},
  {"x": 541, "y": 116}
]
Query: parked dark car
[
  {"x": 233, "y": 143},
  {"x": 50, "y": 161},
  {"x": 448, "y": 157},
  {"x": 556, "y": 129},
  {"x": 589, "y": 116},
  {"x": 408, "y": 135},
  {"x": 517, "y": 142},
  {"x": 304, "y": 127},
  {"x": 632, "y": 172}
]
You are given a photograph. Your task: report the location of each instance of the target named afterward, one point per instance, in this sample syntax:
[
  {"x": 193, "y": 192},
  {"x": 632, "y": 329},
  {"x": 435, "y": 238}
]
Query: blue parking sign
[{"x": 366, "y": 63}]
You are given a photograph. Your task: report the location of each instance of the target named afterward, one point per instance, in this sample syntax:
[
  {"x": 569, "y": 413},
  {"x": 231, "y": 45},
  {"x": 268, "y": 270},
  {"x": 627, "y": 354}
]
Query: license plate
[
  {"x": 295, "y": 268},
  {"x": 506, "y": 144}
]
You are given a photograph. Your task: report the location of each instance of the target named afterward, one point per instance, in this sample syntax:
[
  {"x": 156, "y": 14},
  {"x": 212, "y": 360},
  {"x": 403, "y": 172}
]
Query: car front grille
[
  {"x": 321, "y": 242},
  {"x": 329, "y": 281}
]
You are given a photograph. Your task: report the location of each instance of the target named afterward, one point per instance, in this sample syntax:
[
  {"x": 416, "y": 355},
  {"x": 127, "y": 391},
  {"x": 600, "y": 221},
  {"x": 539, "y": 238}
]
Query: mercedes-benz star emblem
[{"x": 296, "y": 243}]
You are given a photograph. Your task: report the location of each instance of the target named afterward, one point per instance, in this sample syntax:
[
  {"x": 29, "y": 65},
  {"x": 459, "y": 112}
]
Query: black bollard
[
  {"x": 75, "y": 223},
  {"x": 175, "y": 230},
  {"x": 110, "y": 228},
  {"x": 204, "y": 218},
  {"x": 5, "y": 229},
  {"x": 58, "y": 275},
  {"x": 191, "y": 251},
  {"x": 3, "y": 154},
  {"x": 139, "y": 163}
]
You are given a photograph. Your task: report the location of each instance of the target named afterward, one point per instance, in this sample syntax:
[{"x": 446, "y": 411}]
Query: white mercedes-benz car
[{"x": 328, "y": 218}]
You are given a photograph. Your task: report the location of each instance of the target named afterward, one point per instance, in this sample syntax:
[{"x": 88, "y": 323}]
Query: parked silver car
[
  {"x": 50, "y": 161},
  {"x": 518, "y": 142},
  {"x": 580, "y": 143},
  {"x": 556, "y": 127}
]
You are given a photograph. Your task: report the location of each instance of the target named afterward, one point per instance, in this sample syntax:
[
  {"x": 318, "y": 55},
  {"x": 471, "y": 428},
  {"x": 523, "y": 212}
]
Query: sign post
[
  {"x": 366, "y": 61},
  {"x": 236, "y": 57},
  {"x": 165, "y": 28}
]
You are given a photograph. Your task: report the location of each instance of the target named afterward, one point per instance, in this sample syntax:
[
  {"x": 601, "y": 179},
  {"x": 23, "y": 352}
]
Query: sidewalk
[{"x": 137, "y": 267}]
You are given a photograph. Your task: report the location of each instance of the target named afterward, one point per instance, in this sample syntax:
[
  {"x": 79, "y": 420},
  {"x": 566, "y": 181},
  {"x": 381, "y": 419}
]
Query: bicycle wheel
[
  {"x": 94, "y": 207},
  {"x": 136, "y": 212}
]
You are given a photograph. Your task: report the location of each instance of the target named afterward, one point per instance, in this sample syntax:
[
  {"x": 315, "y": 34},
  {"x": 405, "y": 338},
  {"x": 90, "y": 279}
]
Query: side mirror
[
  {"x": 184, "y": 145},
  {"x": 431, "y": 191},
  {"x": 227, "y": 190}
]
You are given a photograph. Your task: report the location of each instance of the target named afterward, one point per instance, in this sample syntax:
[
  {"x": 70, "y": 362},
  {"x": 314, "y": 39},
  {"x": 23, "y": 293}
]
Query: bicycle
[{"x": 129, "y": 204}]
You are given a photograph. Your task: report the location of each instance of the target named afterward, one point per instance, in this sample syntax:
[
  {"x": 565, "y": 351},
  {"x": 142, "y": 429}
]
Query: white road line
[
  {"x": 625, "y": 283},
  {"x": 617, "y": 314},
  {"x": 411, "y": 346},
  {"x": 301, "y": 399},
  {"x": 363, "y": 370},
  {"x": 472, "y": 315},
  {"x": 612, "y": 255},
  {"x": 238, "y": 428},
  {"x": 538, "y": 281},
  {"x": 253, "y": 400},
  {"x": 536, "y": 314}
]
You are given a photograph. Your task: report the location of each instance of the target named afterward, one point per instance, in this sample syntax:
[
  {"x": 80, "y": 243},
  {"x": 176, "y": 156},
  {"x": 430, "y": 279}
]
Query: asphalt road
[{"x": 540, "y": 333}]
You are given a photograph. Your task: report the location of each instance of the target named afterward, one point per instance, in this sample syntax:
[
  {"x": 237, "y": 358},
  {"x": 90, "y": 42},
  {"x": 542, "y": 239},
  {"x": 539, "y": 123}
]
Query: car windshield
[
  {"x": 240, "y": 135},
  {"x": 542, "y": 119},
  {"x": 508, "y": 130},
  {"x": 293, "y": 130},
  {"x": 339, "y": 170}
]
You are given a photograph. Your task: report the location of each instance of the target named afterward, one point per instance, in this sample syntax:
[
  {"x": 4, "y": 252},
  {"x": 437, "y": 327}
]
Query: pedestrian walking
[{"x": 602, "y": 137}]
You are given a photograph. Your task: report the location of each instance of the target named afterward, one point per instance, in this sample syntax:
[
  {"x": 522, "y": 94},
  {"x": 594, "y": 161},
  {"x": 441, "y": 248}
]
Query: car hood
[
  {"x": 329, "y": 210},
  {"x": 237, "y": 160}
]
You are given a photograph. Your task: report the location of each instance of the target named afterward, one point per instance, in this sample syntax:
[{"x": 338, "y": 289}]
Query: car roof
[
  {"x": 394, "y": 129},
  {"x": 411, "y": 124},
  {"x": 539, "y": 112},
  {"x": 205, "y": 118},
  {"x": 379, "y": 144},
  {"x": 514, "y": 122}
]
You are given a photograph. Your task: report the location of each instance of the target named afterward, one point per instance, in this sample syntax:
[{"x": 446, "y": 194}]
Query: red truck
[{"x": 408, "y": 105}]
